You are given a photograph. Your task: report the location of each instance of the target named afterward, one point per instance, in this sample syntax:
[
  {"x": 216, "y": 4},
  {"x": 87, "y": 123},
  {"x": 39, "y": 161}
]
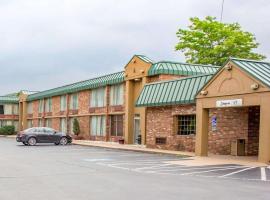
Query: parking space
[
  {"x": 159, "y": 165},
  {"x": 79, "y": 172}
]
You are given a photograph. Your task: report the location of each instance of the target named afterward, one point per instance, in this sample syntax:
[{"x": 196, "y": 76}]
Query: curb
[{"x": 134, "y": 150}]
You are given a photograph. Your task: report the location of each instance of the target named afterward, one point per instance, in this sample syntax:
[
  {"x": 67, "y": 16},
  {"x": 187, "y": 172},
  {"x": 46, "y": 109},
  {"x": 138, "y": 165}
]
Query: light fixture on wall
[
  {"x": 204, "y": 92},
  {"x": 255, "y": 86},
  {"x": 137, "y": 79},
  {"x": 228, "y": 67}
]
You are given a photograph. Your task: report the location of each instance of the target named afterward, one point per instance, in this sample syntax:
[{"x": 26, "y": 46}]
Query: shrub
[
  {"x": 76, "y": 127},
  {"x": 7, "y": 130}
]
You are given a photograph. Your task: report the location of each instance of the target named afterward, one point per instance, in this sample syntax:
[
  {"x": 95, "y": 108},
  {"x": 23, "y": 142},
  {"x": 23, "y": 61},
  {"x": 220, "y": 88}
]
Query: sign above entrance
[{"x": 229, "y": 103}]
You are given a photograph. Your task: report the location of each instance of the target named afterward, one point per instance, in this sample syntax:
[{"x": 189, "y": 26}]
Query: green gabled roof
[
  {"x": 109, "y": 79},
  {"x": 179, "y": 91},
  {"x": 258, "y": 69},
  {"x": 145, "y": 58},
  {"x": 178, "y": 68},
  {"x": 9, "y": 99}
]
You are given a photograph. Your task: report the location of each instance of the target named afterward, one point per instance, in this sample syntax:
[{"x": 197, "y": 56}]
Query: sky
[{"x": 49, "y": 43}]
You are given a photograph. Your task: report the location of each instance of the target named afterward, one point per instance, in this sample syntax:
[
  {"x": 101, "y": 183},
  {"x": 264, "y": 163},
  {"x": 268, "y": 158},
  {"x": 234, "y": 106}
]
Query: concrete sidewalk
[
  {"x": 139, "y": 148},
  {"x": 191, "y": 159}
]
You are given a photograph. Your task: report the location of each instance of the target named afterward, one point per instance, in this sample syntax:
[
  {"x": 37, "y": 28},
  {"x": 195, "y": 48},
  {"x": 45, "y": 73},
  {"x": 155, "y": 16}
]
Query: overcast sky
[{"x": 49, "y": 43}]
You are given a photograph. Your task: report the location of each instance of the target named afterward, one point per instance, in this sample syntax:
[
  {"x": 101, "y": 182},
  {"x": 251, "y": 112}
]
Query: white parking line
[
  {"x": 192, "y": 168},
  {"x": 152, "y": 167},
  {"x": 236, "y": 172},
  {"x": 263, "y": 174},
  {"x": 213, "y": 170}
]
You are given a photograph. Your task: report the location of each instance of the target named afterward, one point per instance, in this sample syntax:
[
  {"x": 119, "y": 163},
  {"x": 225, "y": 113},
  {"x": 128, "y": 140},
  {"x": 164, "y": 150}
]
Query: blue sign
[{"x": 214, "y": 123}]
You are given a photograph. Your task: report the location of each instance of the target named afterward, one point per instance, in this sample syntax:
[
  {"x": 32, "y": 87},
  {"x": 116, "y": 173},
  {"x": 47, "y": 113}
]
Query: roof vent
[
  {"x": 204, "y": 92},
  {"x": 255, "y": 86}
]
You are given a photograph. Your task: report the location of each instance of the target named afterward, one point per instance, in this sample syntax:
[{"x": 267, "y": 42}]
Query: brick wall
[
  {"x": 160, "y": 123},
  {"x": 253, "y": 130},
  {"x": 232, "y": 124}
]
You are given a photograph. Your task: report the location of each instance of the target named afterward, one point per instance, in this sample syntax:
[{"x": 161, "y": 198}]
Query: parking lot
[{"x": 79, "y": 172}]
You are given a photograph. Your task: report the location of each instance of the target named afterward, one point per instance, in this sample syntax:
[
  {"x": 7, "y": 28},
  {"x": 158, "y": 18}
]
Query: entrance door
[{"x": 137, "y": 128}]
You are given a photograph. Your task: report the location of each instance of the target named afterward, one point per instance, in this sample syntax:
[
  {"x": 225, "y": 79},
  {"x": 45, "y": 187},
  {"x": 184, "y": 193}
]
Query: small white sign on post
[{"x": 229, "y": 103}]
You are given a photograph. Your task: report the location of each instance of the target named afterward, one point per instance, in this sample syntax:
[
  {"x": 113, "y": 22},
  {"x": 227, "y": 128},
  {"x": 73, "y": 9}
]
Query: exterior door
[{"x": 137, "y": 128}]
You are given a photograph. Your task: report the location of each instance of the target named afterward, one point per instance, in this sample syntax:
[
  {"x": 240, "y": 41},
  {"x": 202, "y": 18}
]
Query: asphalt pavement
[{"x": 75, "y": 172}]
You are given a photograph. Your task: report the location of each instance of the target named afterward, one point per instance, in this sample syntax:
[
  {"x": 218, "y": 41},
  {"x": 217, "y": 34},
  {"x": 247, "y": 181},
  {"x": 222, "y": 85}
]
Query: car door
[
  {"x": 42, "y": 135},
  {"x": 52, "y": 135}
]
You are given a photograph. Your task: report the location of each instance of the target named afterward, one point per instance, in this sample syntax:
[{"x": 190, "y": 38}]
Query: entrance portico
[{"x": 239, "y": 83}]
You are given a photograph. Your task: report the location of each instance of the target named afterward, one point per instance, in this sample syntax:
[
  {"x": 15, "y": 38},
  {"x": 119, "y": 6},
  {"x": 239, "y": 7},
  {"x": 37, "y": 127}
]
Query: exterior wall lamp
[
  {"x": 204, "y": 92},
  {"x": 255, "y": 86}
]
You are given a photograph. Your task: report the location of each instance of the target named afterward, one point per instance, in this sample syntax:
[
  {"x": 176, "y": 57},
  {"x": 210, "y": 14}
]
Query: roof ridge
[
  {"x": 178, "y": 79},
  {"x": 248, "y": 60},
  {"x": 184, "y": 63},
  {"x": 76, "y": 83}
]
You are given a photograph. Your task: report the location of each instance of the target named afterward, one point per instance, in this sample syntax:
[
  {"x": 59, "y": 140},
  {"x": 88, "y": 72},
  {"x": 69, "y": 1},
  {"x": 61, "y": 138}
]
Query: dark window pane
[
  {"x": 1, "y": 109},
  {"x": 186, "y": 124}
]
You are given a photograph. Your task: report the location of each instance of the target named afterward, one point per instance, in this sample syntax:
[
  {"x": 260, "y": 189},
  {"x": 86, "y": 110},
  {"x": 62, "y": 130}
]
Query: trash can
[{"x": 238, "y": 147}]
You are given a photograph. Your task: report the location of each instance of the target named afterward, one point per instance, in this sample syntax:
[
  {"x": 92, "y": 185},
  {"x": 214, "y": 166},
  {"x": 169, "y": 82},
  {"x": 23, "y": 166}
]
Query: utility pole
[{"x": 221, "y": 14}]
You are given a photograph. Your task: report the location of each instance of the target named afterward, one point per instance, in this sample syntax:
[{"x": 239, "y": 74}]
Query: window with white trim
[
  {"x": 116, "y": 95},
  {"x": 98, "y": 126},
  {"x": 41, "y": 106},
  {"x": 63, "y": 103},
  {"x": 48, "y": 105},
  {"x": 15, "y": 109},
  {"x": 98, "y": 97},
  {"x": 29, "y": 123},
  {"x": 74, "y": 101},
  {"x": 40, "y": 123},
  {"x": 29, "y": 108},
  {"x": 48, "y": 123},
  {"x": 63, "y": 125},
  {"x": 8, "y": 109},
  {"x": 117, "y": 125}
]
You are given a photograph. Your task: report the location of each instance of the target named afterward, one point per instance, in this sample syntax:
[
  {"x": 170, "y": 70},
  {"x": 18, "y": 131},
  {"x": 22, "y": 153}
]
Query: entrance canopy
[{"x": 239, "y": 83}]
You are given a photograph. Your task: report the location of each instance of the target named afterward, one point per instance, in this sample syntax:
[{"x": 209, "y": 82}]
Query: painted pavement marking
[
  {"x": 239, "y": 171},
  {"x": 263, "y": 174}
]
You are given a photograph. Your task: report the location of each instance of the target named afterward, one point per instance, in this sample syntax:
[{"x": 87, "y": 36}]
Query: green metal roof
[
  {"x": 179, "y": 91},
  {"x": 177, "y": 68},
  {"x": 145, "y": 58},
  {"x": 9, "y": 99},
  {"x": 258, "y": 69},
  {"x": 109, "y": 79}
]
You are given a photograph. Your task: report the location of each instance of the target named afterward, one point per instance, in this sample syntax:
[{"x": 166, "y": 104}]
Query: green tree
[
  {"x": 209, "y": 41},
  {"x": 76, "y": 127}
]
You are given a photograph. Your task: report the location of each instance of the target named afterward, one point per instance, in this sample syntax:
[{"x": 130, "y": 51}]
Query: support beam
[
  {"x": 264, "y": 137},
  {"x": 129, "y": 112},
  {"x": 202, "y": 115}
]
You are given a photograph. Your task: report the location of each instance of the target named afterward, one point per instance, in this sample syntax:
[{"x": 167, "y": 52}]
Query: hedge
[{"x": 7, "y": 130}]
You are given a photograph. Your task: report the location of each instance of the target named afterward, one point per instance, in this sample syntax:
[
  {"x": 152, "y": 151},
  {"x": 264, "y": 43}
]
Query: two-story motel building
[{"x": 171, "y": 105}]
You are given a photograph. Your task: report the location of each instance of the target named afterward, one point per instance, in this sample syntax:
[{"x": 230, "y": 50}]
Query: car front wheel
[
  {"x": 32, "y": 141},
  {"x": 63, "y": 141}
]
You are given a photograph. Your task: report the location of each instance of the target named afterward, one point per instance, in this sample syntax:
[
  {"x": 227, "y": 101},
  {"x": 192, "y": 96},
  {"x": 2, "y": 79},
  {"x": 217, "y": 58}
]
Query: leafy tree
[
  {"x": 76, "y": 127},
  {"x": 208, "y": 41}
]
